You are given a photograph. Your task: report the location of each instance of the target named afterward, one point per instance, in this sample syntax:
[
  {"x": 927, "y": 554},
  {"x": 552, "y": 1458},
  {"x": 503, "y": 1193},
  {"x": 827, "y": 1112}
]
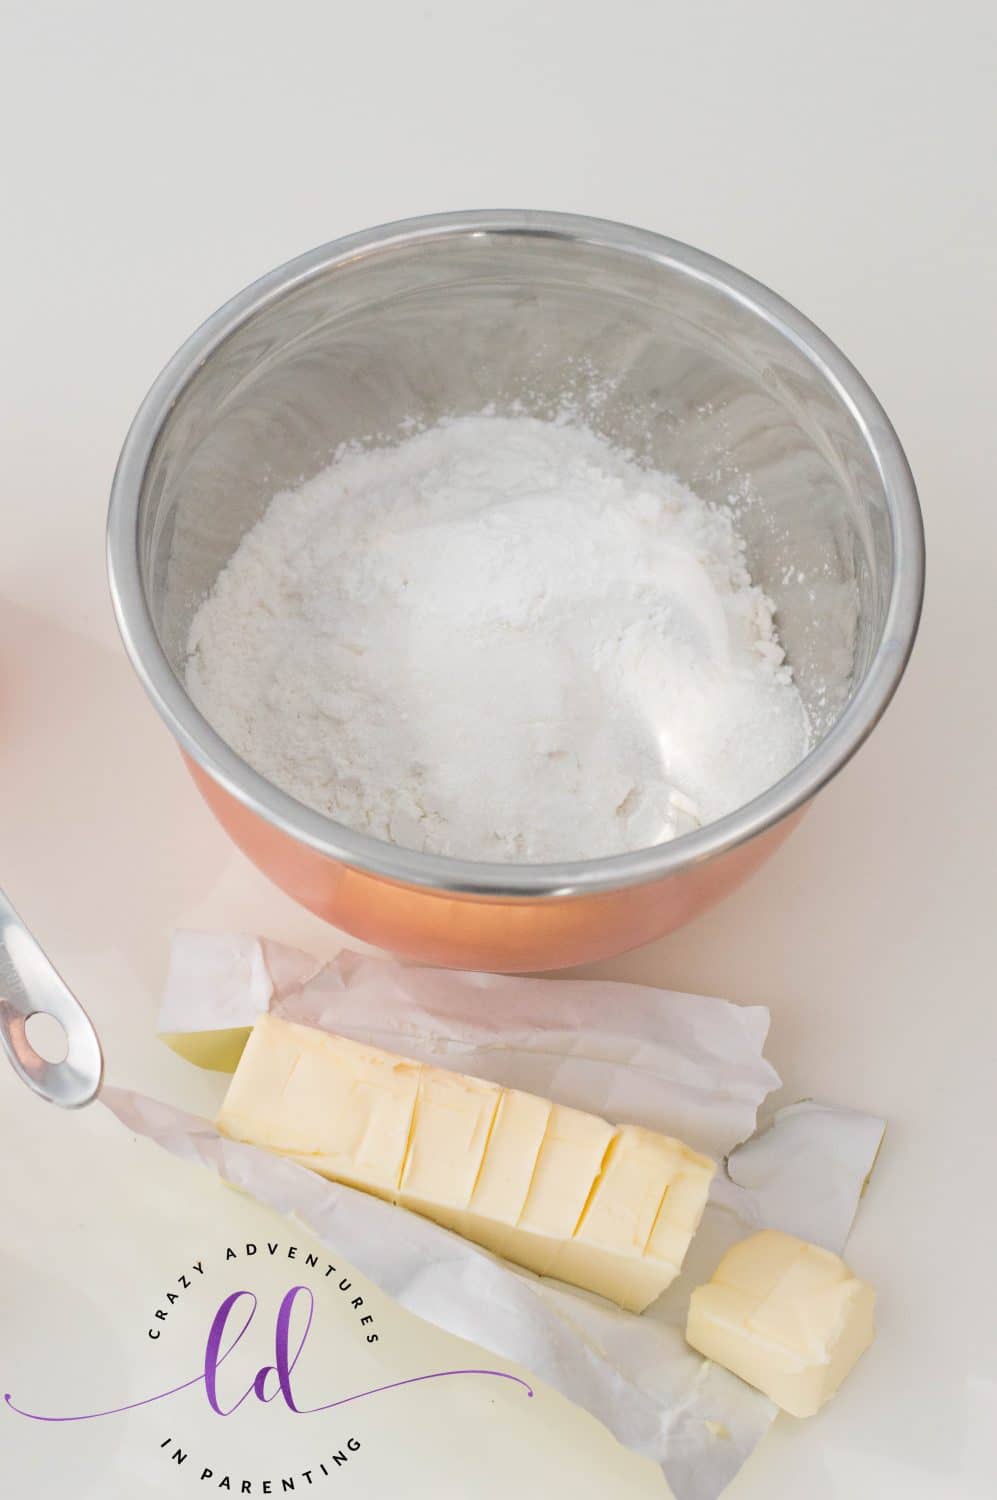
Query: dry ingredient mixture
[{"x": 501, "y": 639}]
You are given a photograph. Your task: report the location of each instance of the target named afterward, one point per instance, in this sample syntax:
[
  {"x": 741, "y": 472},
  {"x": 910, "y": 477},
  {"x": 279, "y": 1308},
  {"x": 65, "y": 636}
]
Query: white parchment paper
[{"x": 685, "y": 1064}]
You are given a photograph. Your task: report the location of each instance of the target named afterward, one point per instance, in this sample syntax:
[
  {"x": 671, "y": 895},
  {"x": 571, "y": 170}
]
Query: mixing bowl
[{"x": 670, "y": 353}]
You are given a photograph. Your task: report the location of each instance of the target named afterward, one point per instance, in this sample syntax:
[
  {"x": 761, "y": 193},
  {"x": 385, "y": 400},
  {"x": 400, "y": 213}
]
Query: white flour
[{"x": 501, "y": 640}]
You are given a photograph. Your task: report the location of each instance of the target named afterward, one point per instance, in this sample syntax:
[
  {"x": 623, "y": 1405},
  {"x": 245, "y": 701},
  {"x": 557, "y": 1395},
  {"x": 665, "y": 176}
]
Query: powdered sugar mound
[{"x": 501, "y": 639}]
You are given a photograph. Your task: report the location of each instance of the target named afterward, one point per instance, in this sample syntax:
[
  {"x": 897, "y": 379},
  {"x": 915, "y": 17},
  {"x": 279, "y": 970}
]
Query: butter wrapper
[{"x": 688, "y": 1065}]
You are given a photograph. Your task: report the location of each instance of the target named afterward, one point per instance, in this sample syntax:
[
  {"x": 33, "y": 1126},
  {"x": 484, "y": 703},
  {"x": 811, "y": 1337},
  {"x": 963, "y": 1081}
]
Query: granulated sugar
[{"x": 503, "y": 640}]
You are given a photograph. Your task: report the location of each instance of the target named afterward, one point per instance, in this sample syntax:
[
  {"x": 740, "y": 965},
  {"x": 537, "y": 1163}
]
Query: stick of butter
[
  {"x": 559, "y": 1191},
  {"x": 787, "y": 1316}
]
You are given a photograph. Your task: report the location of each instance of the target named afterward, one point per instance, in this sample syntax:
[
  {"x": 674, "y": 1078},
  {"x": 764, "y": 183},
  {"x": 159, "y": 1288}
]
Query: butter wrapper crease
[{"x": 687, "y": 1065}]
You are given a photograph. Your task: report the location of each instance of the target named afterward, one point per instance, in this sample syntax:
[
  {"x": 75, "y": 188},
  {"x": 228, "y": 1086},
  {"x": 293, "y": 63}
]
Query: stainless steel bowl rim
[{"x": 474, "y": 877}]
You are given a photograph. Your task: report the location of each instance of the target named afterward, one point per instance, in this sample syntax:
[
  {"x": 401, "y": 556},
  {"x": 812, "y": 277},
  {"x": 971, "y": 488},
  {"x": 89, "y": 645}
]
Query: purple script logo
[{"x": 269, "y": 1381}]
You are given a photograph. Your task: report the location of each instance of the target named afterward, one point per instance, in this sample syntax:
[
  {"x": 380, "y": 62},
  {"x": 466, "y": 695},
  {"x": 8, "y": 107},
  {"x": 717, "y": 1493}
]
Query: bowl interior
[{"x": 692, "y": 378}]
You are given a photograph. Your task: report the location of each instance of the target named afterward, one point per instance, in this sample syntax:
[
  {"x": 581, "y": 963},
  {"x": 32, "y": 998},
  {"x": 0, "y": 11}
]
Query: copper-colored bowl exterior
[{"x": 511, "y": 935}]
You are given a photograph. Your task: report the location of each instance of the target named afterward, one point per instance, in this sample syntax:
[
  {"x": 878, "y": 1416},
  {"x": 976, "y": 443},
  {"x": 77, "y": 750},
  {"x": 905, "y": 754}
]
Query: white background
[{"x": 156, "y": 158}]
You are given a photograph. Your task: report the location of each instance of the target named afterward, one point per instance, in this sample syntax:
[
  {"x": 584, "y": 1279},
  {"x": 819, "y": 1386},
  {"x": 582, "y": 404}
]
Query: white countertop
[{"x": 158, "y": 159}]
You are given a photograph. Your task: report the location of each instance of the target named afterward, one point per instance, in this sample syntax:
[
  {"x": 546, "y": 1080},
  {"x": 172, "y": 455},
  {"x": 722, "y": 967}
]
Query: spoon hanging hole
[{"x": 46, "y": 1037}]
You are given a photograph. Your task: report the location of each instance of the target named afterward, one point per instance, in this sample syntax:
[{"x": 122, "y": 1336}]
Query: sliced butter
[
  {"x": 638, "y": 1223},
  {"x": 337, "y": 1106},
  {"x": 554, "y": 1189},
  {"x": 507, "y": 1171},
  {"x": 509, "y": 1164},
  {"x": 787, "y": 1316},
  {"x": 450, "y": 1127},
  {"x": 570, "y": 1159}
]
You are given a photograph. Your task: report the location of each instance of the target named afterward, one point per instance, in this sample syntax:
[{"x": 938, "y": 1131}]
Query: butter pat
[
  {"x": 450, "y": 1128},
  {"x": 567, "y": 1167},
  {"x": 555, "y": 1190},
  {"x": 787, "y": 1316},
  {"x": 334, "y": 1105},
  {"x": 639, "y": 1220},
  {"x": 570, "y": 1160},
  {"x": 507, "y": 1171}
]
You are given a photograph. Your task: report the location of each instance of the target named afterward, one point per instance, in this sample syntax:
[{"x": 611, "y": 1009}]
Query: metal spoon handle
[{"x": 29, "y": 984}]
